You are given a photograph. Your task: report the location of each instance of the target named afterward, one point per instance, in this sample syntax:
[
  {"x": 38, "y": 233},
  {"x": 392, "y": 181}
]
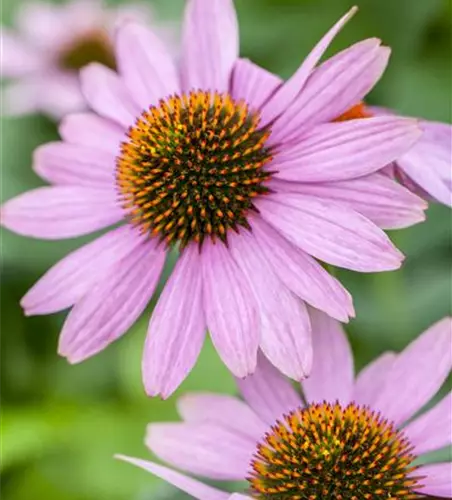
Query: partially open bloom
[
  {"x": 50, "y": 43},
  {"x": 344, "y": 438},
  {"x": 240, "y": 171}
]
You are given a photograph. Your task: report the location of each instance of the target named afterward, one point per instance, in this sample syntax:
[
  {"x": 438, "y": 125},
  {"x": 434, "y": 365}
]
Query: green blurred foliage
[{"x": 62, "y": 424}]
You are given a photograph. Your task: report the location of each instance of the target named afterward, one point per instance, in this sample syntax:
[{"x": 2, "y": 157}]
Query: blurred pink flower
[
  {"x": 341, "y": 425},
  {"x": 225, "y": 153},
  {"x": 43, "y": 54}
]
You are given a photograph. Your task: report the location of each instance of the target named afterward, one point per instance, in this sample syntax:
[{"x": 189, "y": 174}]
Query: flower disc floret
[{"x": 191, "y": 167}]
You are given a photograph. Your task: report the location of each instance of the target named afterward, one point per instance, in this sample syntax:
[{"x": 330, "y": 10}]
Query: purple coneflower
[
  {"x": 50, "y": 43},
  {"x": 222, "y": 160},
  {"x": 343, "y": 437}
]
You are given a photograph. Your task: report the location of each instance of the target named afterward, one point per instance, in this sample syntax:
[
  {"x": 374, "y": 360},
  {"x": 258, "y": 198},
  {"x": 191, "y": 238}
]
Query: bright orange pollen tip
[{"x": 358, "y": 111}]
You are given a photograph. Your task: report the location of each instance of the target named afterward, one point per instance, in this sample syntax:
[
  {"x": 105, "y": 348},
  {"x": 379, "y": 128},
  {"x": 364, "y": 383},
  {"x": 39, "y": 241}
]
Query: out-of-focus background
[{"x": 61, "y": 423}]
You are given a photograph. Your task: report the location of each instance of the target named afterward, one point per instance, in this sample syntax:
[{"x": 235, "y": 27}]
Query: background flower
[{"x": 61, "y": 424}]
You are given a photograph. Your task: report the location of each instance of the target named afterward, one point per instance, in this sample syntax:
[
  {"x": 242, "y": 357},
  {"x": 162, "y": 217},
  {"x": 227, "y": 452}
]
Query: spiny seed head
[
  {"x": 192, "y": 166},
  {"x": 90, "y": 47},
  {"x": 327, "y": 452}
]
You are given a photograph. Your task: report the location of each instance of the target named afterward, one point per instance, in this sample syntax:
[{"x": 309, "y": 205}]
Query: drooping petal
[
  {"x": 93, "y": 131},
  {"x": 177, "y": 328},
  {"x": 302, "y": 274},
  {"x": 330, "y": 232},
  {"x": 231, "y": 310},
  {"x": 18, "y": 58},
  {"x": 332, "y": 373},
  {"x": 189, "y": 485},
  {"x": 292, "y": 88},
  {"x": 437, "y": 480},
  {"x": 61, "y": 212},
  {"x": 107, "y": 94},
  {"x": 71, "y": 278},
  {"x": 268, "y": 392},
  {"x": 223, "y": 410},
  {"x": 285, "y": 326},
  {"x": 146, "y": 65},
  {"x": 210, "y": 44},
  {"x": 420, "y": 369},
  {"x": 380, "y": 199},
  {"x": 253, "y": 84},
  {"x": 111, "y": 307},
  {"x": 74, "y": 165},
  {"x": 335, "y": 86},
  {"x": 432, "y": 430},
  {"x": 202, "y": 448},
  {"x": 346, "y": 150}
]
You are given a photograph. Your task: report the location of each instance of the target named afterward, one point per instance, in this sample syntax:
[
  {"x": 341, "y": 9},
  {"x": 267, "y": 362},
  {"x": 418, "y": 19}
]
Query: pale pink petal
[
  {"x": 381, "y": 200},
  {"x": 332, "y": 371},
  {"x": 268, "y": 392},
  {"x": 85, "y": 129},
  {"x": 61, "y": 212},
  {"x": 17, "y": 57},
  {"x": 230, "y": 308},
  {"x": 346, "y": 150},
  {"x": 145, "y": 64},
  {"x": 66, "y": 282},
  {"x": 227, "y": 411},
  {"x": 372, "y": 379},
  {"x": 330, "y": 232},
  {"x": 20, "y": 97},
  {"x": 210, "y": 44},
  {"x": 253, "y": 84},
  {"x": 334, "y": 87},
  {"x": 302, "y": 274},
  {"x": 429, "y": 162},
  {"x": 292, "y": 88},
  {"x": 285, "y": 326},
  {"x": 113, "y": 305},
  {"x": 437, "y": 481},
  {"x": 107, "y": 95},
  {"x": 432, "y": 430},
  {"x": 190, "y": 486},
  {"x": 421, "y": 370},
  {"x": 202, "y": 448},
  {"x": 177, "y": 329},
  {"x": 73, "y": 165},
  {"x": 238, "y": 496}
]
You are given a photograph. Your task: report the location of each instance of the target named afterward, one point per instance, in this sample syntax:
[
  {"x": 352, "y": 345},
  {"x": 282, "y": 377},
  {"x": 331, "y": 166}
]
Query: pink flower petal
[
  {"x": 66, "y": 282},
  {"x": 84, "y": 129},
  {"x": 227, "y": 411},
  {"x": 18, "y": 58},
  {"x": 67, "y": 164},
  {"x": 61, "y": 212},
  {"x": 292, "y": 88},
  {"x": 231, "y": 310},
  {"x": 177, "y": 329},
  {"x": 107, "y": 94},
  {"x": 330, "y": 232},
  {"x": 145, "y": 64},
  {"x": 432, "y": 430},
  {"x": 340, "y": 151},
  {"x": 332, "y": 370},
  {"x": 421, "y": 370},
  {"x": 202, "y": 448},
  {"x": 190, "y": 486},
  {"x": 285, "y": 327},
  {"x": 113, "y": 305},
  {"x": 268, "y": 392},
  {"x": 253, "y": 84},
  {"x": 381, "y": 200},
  {"x": 437, "y": 481},
  {"x": 334, "y": 87},
  {"x": 302, "y": 274},
  {"x": 210, "y": 44}
]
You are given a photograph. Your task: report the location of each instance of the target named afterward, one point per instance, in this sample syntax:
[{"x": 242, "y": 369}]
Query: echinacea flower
[
  {"x": 344, "y": 437},
  {"x": 426, "y": 169},
  {"x": 50, "y": 43},
  {"x": 221, "y": 160}
]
